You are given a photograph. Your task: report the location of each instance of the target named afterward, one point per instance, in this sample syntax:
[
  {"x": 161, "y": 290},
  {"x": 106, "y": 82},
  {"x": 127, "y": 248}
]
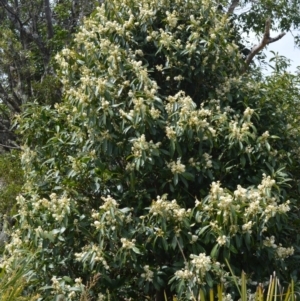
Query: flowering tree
[{"x": 156, "y": 167}]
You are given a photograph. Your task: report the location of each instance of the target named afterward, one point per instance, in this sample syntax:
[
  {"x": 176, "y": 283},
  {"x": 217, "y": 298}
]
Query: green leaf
[
  {"x": 136, "y": 250},
  {"x": 174, "y": 243},
  {"x": 233, "y": 249},
  {"x": 188, "y": 176},
  {"x": 209, "y": 280},
  {"x": 243, "y": 160},
  {"x": 67, "y": 279},
  {"x": 202, "y": 230},
  {"x": 215, "y": 251},
  {"x": 175, "y": 179},
  {"x": 165, "y": 244}
]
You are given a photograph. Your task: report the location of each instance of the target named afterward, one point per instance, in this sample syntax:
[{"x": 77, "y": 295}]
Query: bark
[
  {"x": 232, "y": 7},
  {"x": 49, "y": 19},
  {"x": 8, "y": 100}
]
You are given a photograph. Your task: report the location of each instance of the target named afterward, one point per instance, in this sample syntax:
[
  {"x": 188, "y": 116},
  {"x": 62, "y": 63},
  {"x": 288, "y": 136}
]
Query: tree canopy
[{"x": 163, "y": 159}]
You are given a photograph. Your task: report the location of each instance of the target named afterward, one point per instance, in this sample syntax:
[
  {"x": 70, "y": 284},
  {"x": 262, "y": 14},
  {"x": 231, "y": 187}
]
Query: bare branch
[
  {"x": 8, "y": 100},
  {"x": 264, "y": 42},
  {"x": 10, "y": 147},
  {"x": 232, "y": 7},
  {"x": 272, "y": 40}
]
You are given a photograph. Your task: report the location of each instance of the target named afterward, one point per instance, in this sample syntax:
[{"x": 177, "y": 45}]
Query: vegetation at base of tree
[
  {"x": 14, "y": 282},
  {"x": 166, "y": 155}
]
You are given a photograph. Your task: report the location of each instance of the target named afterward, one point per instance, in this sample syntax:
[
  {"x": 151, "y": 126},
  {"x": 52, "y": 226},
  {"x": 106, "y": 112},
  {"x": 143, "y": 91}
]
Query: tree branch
[
  {"x": 232, "y": 7},
  {"x": 8, "y": 101},
  {"x": 264, "y": 42},
  {"x": 49, "y": 19},
  {"x": 10, "y": 147}
]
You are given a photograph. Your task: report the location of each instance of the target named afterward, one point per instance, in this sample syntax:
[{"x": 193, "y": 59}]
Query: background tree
[{"x": 32, "y": 32}]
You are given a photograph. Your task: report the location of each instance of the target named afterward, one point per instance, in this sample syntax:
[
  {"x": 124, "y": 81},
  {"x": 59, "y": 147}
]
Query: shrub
[{"x": 156, "y": 167}]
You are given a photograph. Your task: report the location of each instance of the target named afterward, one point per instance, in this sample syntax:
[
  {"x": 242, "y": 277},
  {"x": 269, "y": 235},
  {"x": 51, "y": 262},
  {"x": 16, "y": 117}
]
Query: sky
[{"x": 286, "y": 47}]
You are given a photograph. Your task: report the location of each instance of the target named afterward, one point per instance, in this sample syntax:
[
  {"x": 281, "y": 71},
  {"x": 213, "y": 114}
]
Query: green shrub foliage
[
  {"x": 159, "y": 164},
  {"x": 11, "y": 181}
]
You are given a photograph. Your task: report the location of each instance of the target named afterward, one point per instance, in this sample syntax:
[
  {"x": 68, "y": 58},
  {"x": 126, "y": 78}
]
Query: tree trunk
[{"x": 48, "y": 19}]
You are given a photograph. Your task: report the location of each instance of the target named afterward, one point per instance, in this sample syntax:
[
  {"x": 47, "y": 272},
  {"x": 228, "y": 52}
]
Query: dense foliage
[
  {"x": 11, "y": 181},
  {"x": 162, "y": 161}
]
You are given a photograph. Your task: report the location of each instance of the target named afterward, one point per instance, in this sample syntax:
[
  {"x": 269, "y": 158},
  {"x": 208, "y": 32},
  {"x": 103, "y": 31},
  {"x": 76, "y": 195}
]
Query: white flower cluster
[
  {"x": 12, "y": 248},
  {"x": 243, "y": 203},
  {"x": 281, "y": 252},
  {"x": 225, "y": 203},
  {"x": 267, "y": 182},
  {"x": 196, "y": 269},
  {"x": 95, "y": 252},
  {"x": 141, "y": 146},
  {"x": 223, "y": 89},
  {"x": 201, "y": 262},
  {"x": 171, "y": 132},
  {"x": 265, "y": 135},
  {"x": 270, "y": 242},
  {"x": 187, "y": 115},
  {"x": 221, "y": 240},
  {"x": 240, "y": 132},
  {"x": 148, "y": 274},
  {"x": 109, "y": 215},
  {"x": 155, "y": 113},
  {"x": 27, "y": 155},
  {"x": 57, "y": 207},
  {"x": 247, "y": 227},
  {"x": 184, "y": 274},
  {"x": 216, "y": 190},
  {"x": 176, "y": 167},
  {"x": 227, "y": 297},
  {"x": 207, "y": 159},
  {"x": 172, "y": 19},
  {"x": 59, "y": 287},
  {"x": 55, "y": 285},
  {"x": 109, "y": 203},
  {"x": 248, "y": 113},
  {"x": 193, "y": 163},
  {"x": 240, "y": 193},
  {"x": 127, "y": 244},
  {"x": 168, "y": 209},
  {"x": 185, "y": 103}
]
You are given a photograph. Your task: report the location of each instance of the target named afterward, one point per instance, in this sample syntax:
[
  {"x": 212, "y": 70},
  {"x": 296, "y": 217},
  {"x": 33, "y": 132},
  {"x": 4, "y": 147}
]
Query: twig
[{"x": 11, "y": 147}]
